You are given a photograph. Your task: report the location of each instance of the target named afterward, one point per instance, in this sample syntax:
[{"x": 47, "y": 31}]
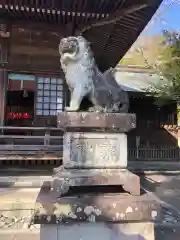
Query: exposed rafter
[
  {"x": 114, "y": 18},
  {"x": 111, "y": 26}
]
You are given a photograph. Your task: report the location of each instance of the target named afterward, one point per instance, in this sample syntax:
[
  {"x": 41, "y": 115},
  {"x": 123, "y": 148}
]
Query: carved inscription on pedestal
[
  {"x": 94, "y": 151},
  {"x": 91, "y": 150}
]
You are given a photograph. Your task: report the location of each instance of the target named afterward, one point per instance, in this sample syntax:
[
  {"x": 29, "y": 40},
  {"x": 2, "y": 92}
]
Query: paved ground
[{"x": 166, "y": 187}]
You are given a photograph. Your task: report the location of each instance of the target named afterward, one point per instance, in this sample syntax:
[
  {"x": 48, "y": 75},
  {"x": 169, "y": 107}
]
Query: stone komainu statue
[{"x": 86, "y": 80}]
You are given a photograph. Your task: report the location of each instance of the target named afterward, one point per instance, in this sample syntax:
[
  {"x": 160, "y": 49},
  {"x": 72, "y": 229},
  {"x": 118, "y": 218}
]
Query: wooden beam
[
  {"x": 35, "y": 50},
  {"x": 35, "y": 35},
  {"x": 35, "y": 64},
  {"x": 24, "y": 70},
  {"x": 33, "y": 43},
  {"x": 40, "y": 26},
  {"x": 5, "y": 28},
  {"x": 32, "y": 156}
]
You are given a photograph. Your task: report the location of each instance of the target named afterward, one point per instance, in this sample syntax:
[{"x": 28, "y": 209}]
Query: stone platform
[
  {"x": 66, "y": 178},
  {"x": 24, "y": 207},
  {"x": 40, "y": 214},
  {"x": 19, "y": 208},
  {"x": 135, "y": 231},
  {"x": 115, "y": 208}
]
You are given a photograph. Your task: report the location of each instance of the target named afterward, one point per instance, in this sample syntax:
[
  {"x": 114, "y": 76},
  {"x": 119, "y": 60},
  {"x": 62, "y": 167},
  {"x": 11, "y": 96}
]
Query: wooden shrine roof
[{"x": 112, "y": 26}]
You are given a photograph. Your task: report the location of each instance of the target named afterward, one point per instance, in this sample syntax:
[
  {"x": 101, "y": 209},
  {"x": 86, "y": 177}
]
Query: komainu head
[{"x": 73, "y": 47}]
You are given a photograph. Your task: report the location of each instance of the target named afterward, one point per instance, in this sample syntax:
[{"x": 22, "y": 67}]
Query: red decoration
[{"x": 14, "y": 115}]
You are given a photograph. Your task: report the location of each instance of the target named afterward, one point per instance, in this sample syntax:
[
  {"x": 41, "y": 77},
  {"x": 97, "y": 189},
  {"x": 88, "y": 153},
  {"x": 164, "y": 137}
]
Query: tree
[
  {"x": 168, "y": 67},
  {"x": 165, "y": 61}
]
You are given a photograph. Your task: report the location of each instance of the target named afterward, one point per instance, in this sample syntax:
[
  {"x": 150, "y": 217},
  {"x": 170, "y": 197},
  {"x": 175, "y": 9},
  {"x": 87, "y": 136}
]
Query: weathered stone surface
[
  {"x": 118, "y": 122},
  {"x": 66, "y": 178},
  {"x": 18, "y": 210},
  {"x": 95, "y": 150},
  {"x": 97, "y": 208}
]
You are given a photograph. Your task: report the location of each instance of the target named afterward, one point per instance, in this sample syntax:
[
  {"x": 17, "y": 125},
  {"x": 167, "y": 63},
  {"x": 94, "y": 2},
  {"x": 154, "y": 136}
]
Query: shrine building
[{"x": 32, "y": 85}]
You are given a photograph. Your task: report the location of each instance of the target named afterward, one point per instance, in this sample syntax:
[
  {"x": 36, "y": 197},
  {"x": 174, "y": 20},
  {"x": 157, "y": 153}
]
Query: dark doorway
[{"x": 19, "y": 110}]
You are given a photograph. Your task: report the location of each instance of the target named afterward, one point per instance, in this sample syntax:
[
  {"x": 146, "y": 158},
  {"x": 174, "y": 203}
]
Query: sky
[{"x": 167, "y": 17}]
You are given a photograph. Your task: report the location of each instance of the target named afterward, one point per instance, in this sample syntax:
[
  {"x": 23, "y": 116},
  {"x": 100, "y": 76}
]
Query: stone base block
[
  {"x": 65, "y": 178},
  {"x": 131, "y": 231},
  {"x": 116, "y": 122},
  {"x": 95, "y": 150}
]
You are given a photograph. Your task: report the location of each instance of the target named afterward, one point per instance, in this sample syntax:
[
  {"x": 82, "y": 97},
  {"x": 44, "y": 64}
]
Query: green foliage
[
  {"x": 144, "y": 48},
  {"x": 168, "y": 67}
]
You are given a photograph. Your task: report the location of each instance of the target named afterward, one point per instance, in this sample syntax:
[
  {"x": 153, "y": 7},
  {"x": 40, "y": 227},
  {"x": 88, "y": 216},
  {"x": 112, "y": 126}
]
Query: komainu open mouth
[
  {"x": 68, "y": 46},
  {"x": 67, "y": 49}
]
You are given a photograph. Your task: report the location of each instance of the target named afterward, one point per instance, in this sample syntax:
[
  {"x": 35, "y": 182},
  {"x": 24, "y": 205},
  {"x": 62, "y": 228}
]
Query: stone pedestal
[{"x": 95, "y": 151}]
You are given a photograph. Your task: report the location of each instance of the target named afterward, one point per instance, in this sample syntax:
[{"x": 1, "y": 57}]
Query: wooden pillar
[{"x": 4, "y": 52}]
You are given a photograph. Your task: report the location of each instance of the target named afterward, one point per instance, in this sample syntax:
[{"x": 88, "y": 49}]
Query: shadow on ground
[{"x": 165, "y": 186}]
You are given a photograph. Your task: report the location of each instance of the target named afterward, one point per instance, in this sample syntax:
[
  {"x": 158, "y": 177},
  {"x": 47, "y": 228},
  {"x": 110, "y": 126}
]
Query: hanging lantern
[{"x": 22, "y": 85}]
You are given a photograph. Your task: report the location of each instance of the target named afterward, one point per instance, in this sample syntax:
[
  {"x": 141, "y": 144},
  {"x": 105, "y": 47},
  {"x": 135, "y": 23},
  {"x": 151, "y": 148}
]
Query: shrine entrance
[
  {"x": 19, "y": 109},
  {"x": 20, "y": 102}
]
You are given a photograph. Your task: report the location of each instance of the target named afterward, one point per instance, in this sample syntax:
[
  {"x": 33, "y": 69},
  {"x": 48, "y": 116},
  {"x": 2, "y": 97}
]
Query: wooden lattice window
[{"x": 49, "y": 99}]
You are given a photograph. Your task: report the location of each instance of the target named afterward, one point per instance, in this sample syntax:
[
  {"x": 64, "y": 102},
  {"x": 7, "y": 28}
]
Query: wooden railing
[
  {"x": 46, "y": 143},
  {"x": 29, "y": 143},
  {"x": 161, "y": 153}
]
